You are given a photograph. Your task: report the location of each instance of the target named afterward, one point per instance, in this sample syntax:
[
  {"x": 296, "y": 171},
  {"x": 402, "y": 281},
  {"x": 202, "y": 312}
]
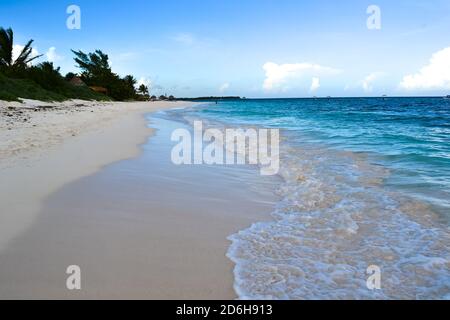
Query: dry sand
[
  {"x": 139, "y": 229},
  {"x": 59, "y": 143}
]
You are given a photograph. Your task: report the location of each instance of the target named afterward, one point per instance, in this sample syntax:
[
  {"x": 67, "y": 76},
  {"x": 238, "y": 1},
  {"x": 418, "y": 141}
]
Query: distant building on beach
[
  {"x": 76, "y": 81},
  {"x": 100, "y": 90}
]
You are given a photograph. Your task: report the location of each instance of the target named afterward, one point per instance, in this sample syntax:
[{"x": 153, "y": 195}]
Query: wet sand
[{"x": 139, "y": 229}]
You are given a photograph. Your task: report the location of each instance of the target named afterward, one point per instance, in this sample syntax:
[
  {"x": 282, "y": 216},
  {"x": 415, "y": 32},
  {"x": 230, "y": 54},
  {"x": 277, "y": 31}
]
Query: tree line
[{"x": 95, "y": 73}]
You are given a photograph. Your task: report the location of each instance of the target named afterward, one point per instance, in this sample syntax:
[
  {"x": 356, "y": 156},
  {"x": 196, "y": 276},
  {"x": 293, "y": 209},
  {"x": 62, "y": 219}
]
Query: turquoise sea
[{"x": 363, "y": 181}]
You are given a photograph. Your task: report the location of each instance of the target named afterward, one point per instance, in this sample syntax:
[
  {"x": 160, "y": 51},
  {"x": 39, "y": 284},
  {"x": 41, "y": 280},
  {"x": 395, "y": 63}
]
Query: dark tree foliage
[
  {"x": 47, "y": 76},
  {"x": 69, "y": 76},
  {"x": 9, "y": 65},
  {"x": 143, "y": 89},
  {"x": 143, "y": 93},
  {"x": 96, "y": 71},
  {"x": 44, "y": 80}
]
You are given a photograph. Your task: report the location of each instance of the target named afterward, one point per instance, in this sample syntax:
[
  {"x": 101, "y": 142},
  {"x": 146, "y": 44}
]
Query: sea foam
[
  {"x": 346, "y": 203},
  {"x": 334, "y": 220}
]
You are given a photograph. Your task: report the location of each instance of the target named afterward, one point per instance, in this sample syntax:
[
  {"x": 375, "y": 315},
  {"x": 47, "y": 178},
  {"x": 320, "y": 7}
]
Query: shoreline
[
  {"x": 54, "y": 146},
  {"x": 165, "y": 239},
  {"x": 332, "y": 199},
  {"x": 144, "y": 228}
]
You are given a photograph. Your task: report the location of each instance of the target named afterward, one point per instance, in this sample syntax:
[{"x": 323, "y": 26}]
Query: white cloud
[
  {"x": 435, "y": 75},
  {"x": 367, "y": 83},
  {"x": 184, "y": 38},
  {"x": 52, "y": 56},
  {"x": 144, "y": 81},
  {"x": 224, "y": 87},
  {"x": 315, "y": 84},
  {"x": 17, "y": 49},
  {"x": 281, "y": 76}
]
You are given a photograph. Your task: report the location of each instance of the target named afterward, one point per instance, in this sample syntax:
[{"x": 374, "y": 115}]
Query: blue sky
[{"x": 252, "y": 48}]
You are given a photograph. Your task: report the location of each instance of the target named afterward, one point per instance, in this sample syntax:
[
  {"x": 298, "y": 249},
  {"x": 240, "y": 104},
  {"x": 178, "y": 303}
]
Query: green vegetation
[
  {"x": 96, "y": 72},
  {"x": 12, "y": 89},
  {"x": 20, "y": 79},
  {"x": 143, "y": 92},
  {"x": 6, "y": 51}
]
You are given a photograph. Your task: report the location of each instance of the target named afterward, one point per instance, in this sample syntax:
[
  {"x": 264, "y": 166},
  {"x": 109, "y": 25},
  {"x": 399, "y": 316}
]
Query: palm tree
[
  {"x": 143, "y": 89},
  {"x": 6, "y": 51}
]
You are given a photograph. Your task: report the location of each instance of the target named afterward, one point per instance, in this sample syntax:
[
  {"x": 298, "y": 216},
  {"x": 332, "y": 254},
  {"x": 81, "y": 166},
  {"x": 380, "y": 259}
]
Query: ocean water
[{"x": 365, "y": 181}]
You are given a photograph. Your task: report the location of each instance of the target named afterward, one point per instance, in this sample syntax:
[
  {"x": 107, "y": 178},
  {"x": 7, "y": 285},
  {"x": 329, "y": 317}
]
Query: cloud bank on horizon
[
  {"x": 282, "y": 77},
  {"x": 435, "y": 75},
  {"x": 315, "y": 84}
]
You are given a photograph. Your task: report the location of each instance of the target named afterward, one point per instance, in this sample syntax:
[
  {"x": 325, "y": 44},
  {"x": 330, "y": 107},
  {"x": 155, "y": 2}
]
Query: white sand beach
[
  {"x": 59, "y": 143},
  {"x": 167, "y": 241}
]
